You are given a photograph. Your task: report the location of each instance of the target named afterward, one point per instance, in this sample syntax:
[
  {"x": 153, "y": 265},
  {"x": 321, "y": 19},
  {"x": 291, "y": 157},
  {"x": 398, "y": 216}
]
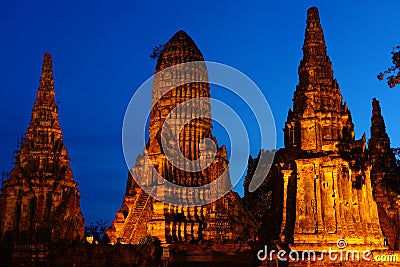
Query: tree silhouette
[
  {"x": 392, "y": 74},
  {"x": 97, "y": 230},
  {"x": 157, "y": 50},
  {"x": 396, "y": 152}
]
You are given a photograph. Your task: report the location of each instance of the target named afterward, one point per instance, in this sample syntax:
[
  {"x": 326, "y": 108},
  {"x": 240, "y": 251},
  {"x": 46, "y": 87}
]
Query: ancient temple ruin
[
  {"x": 319, "y": 189},
  {"x": 225, "y": 220},
  {"x": 384, "y": 177},
  {"x": 324, "y": 185},
  {"x": 40, "y": 201}
]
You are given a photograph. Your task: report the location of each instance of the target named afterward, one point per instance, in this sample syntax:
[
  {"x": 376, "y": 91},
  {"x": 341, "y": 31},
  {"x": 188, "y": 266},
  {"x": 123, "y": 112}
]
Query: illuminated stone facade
[
  {"x": 225, "y": 220},
  {"x": 40, "y": 201},
  {"x": 319, "y": 189},
  {"x": 324, "y": 185}
]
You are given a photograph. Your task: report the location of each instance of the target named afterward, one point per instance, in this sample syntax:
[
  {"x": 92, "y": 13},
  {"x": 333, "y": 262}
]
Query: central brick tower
[{"x": 225, "y": 220}]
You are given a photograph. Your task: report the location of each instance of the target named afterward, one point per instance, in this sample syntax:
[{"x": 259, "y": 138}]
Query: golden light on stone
[
  {"x": 225, "y": 220},
  {"x": 325, "y": 185},
  {"x": 326, "y": 189},
  {"x": 40, "y": 201}
]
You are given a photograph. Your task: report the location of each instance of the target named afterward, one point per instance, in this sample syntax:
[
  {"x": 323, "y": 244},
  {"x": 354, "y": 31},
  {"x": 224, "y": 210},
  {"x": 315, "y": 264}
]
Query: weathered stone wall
[{"x": 83, "y": 255}]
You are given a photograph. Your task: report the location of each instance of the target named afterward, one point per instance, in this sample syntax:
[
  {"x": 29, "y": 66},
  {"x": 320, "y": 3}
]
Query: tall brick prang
[
  {"x": 319, "y": 188},
  {"x": 40, "y": 202},
  {"x": 384, "y": 177},
  {"x": 225, "y": 220}
]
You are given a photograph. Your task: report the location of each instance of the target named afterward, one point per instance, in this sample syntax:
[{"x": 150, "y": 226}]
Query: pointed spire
[
  {"x": 45, "y": 111},
  {"x": 317, "y": 96},
  {"x": 379, "y": 143},
  {"x": 47, "y": 80},
  {"x": 313, "y": 14},
  {"x": 42, "y": 177},
  {"x": 384, "y": 174},
  {"x": 315, "y": 71},
  {"x": 378, "y": 127},
  {"x": 314, "y": 42},
  {"x": 315, "y": 63},
  {"x": 44, "y": 133}
]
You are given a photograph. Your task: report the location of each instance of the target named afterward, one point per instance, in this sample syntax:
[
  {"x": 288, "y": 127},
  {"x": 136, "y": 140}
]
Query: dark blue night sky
[{"x": 101, "y": 55}]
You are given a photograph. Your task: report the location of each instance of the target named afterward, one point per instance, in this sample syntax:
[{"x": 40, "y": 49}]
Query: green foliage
[
  {"x": 393, "y": 73},
  {"x": 157, "y": 50}
]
